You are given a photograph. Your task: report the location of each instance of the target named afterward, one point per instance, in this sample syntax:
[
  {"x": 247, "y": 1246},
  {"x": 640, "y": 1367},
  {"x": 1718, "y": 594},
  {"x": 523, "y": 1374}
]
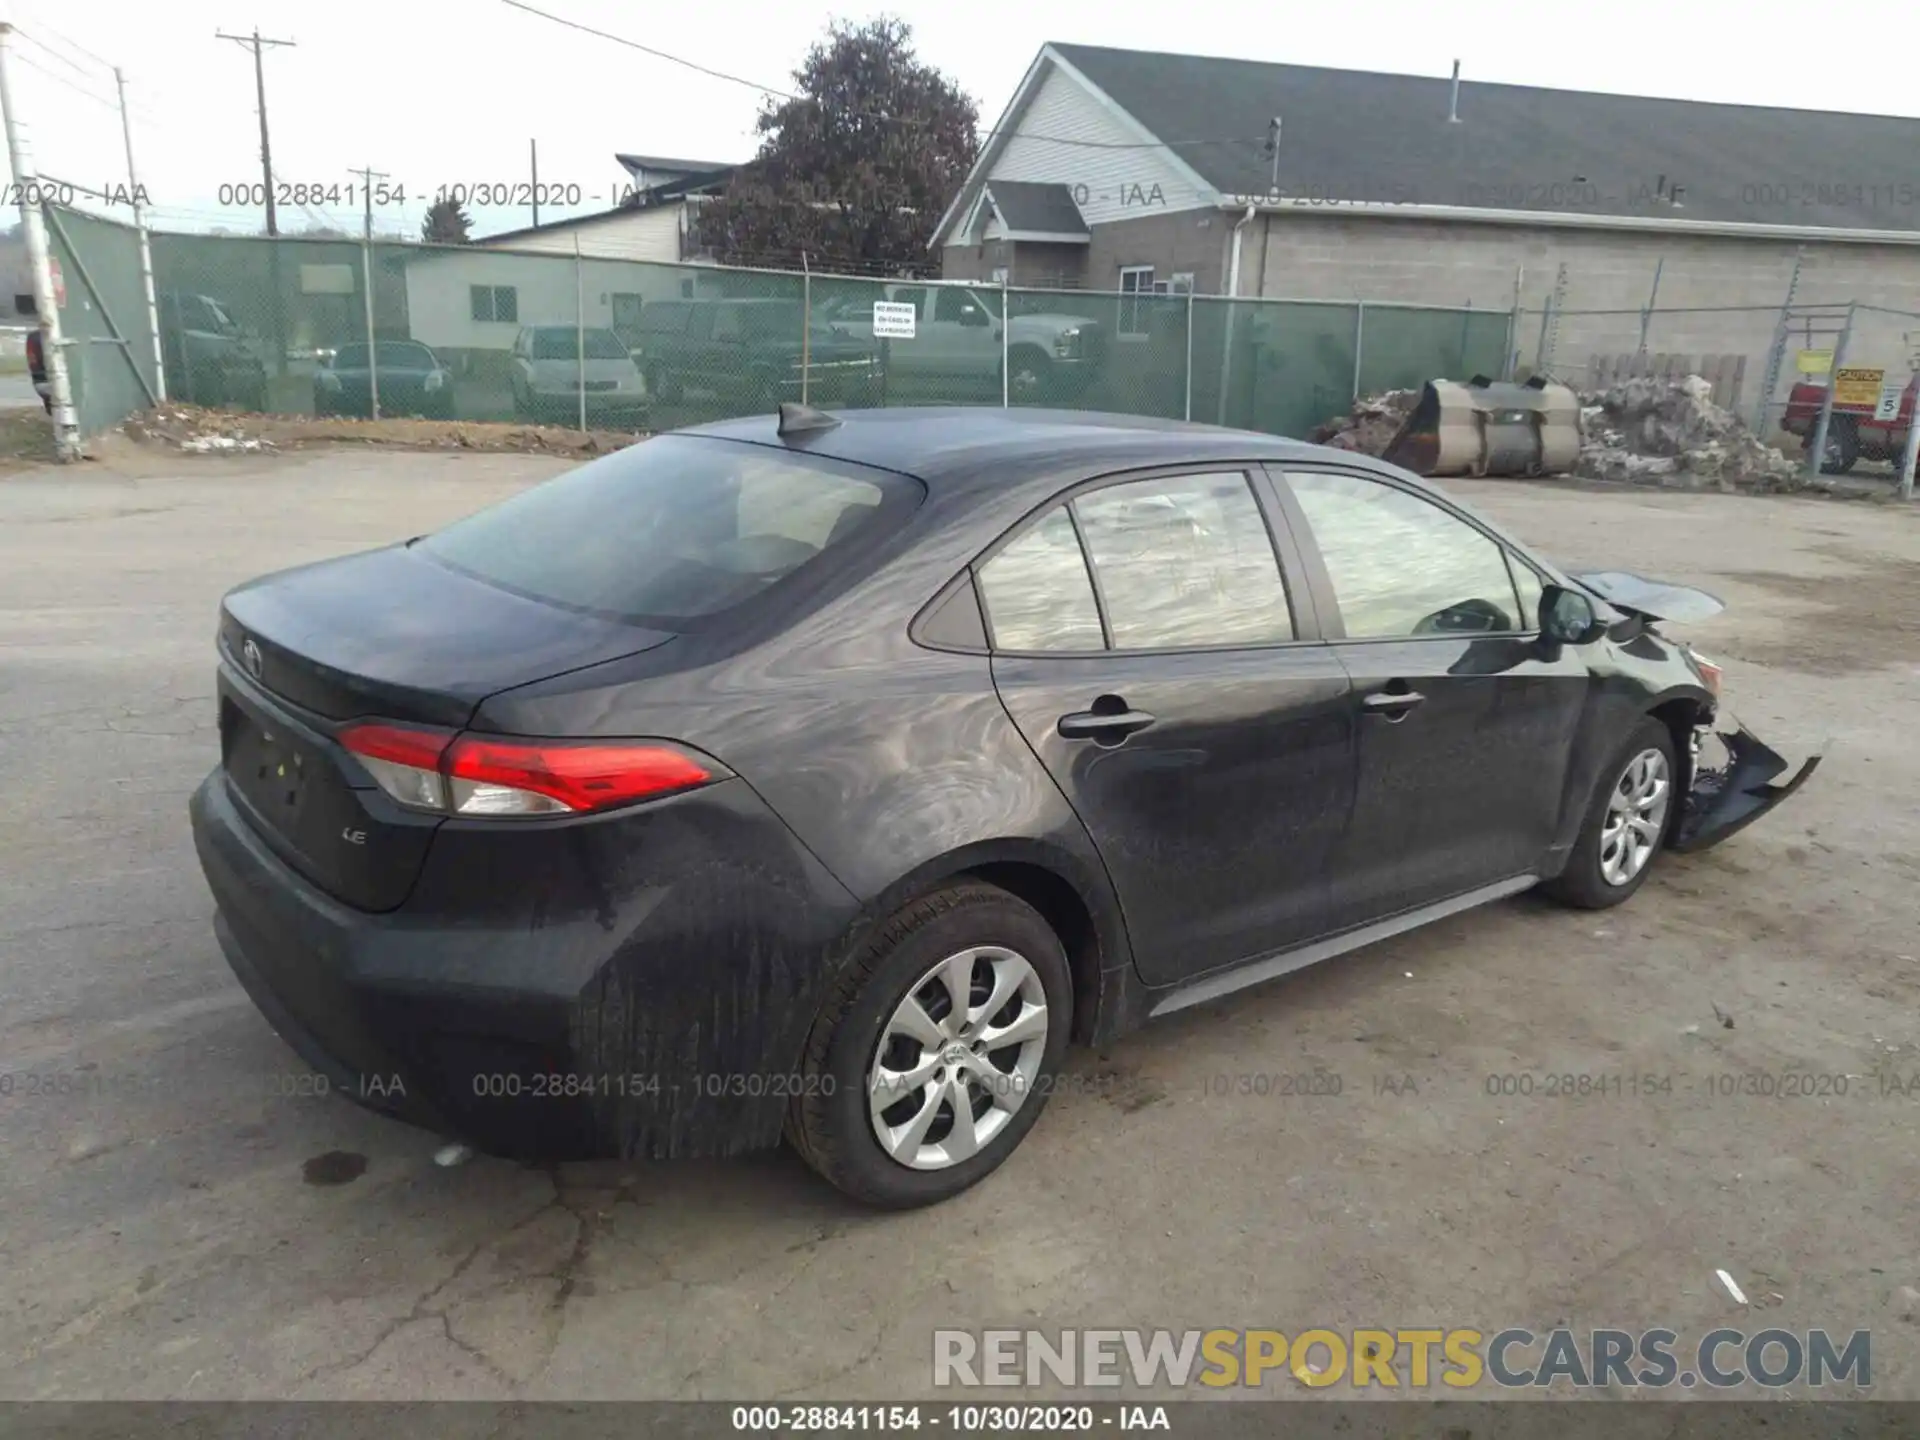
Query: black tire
[
  {"x": 1031, "y": 379},
  {"x": 1843, "y": 447},
  {"x": 1582, "y": 884},
  {"x": 662, "y": 387},
  {"x": 828, "y": 1122}
]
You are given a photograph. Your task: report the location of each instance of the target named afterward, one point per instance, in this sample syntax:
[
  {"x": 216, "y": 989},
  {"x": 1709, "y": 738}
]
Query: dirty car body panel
[{"x": 555, "y": 830}]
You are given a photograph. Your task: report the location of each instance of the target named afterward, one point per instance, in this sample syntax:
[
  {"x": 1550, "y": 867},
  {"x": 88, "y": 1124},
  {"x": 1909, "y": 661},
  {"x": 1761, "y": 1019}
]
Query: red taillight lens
[
  {"x": 485, "y": 775},
  {"x": 404, "y": 762},
  {"x": 547, "y": 777},
  {"x": 35, "y": 354}
]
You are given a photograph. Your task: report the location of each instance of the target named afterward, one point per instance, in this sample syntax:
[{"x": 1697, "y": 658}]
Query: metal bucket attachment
[{"x": 1489, "y": 427}]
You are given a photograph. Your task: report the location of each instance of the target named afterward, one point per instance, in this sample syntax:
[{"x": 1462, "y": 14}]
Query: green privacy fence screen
[
  {"x": 477, "y": 333},
  {"x": 103, "y": 319}
]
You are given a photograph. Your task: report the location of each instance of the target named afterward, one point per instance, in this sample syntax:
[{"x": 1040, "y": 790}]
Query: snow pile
[
  {"x": 1370, "y": 426},
  {"x": 207, "y": 444},
  {"x": 197, "y": 431},
  {"x": 1670, "y": 432}
]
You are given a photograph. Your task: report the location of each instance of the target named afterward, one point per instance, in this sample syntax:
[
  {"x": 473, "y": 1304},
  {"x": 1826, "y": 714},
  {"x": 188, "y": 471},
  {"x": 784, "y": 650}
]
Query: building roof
[
  {"x": 1353, "y": 135},
  {"x": 1038, "y": 209},
  {"x": 681, "y": 167}
]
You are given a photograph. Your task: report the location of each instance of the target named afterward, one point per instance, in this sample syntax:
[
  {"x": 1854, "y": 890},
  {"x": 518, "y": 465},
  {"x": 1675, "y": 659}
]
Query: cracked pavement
[{"x": 161, "y": 1238}]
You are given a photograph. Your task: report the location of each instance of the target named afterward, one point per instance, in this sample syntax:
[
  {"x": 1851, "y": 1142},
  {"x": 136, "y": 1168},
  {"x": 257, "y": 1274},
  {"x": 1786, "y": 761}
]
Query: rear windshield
[
  {"x": 672, "y": 529},
  {"x": 565, "y": 344}
]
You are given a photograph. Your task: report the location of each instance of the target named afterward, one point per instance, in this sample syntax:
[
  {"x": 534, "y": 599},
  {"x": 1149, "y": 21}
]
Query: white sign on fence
[
  {"x": 1889, "y": 406},
  {"x": 893, "y": 320}
]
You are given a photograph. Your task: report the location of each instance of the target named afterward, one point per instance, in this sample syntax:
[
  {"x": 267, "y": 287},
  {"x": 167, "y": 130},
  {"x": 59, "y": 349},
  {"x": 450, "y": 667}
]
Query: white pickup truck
[{"x": 957, "y": 344}]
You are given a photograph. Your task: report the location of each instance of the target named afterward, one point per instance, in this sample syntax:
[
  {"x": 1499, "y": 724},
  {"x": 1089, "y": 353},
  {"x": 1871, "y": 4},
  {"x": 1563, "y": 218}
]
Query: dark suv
[
  {"x": 749, "y": 353},
  {"x": 210, "y": 360}
]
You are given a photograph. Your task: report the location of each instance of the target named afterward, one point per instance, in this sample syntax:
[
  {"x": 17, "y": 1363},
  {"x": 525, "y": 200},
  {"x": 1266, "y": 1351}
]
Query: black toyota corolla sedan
[{"x": 824, "y": 776}]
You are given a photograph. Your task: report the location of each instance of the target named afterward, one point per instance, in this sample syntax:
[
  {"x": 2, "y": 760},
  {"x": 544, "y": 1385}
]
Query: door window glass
[
  {"x": 1527, "y": 582},
  {"x": 1037, "y": 592},
  {"x": 1402, "y": 566},
  {"x": 1185, "y": 560}
]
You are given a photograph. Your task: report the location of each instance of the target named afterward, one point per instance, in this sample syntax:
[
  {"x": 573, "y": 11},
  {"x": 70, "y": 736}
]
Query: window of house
[
  {"x": 1135, "y": 281},
  {"x": 1037, "y": 592},
  {"x": 498, "y": 304},
  {"x": 1185, "y": 560},
  {"x": 1401, "y": 566},
  {"x": 1180, "y": 283}
]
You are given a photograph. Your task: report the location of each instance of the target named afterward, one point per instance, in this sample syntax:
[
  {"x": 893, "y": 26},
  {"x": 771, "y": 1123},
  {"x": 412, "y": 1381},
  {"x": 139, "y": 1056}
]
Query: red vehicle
[
  {"x": 1852, "y": 433},
  {"x": 37, "y": 368}
]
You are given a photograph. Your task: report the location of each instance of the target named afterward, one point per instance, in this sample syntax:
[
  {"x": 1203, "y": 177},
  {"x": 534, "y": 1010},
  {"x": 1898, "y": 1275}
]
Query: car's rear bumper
[
  {"x": 1725, "y": 800},
  {"x": 565, "y": 994}
]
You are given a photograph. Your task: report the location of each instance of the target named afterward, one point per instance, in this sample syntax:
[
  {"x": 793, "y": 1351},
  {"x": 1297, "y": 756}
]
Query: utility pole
[
  {"x": 146, "y": 250},
  {"x": 367, "y": 176},
  {"x": 254, "y": 43},
  {"x": 66, "y": 425},
  {"x": 533, "y": 154}
]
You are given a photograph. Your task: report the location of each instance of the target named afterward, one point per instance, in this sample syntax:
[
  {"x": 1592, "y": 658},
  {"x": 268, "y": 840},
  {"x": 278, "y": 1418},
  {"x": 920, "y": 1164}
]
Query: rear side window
[
  {"x": 1185, "y": 561},
  {"x": 1182, "y": 561},
  {"x": 674, "y": 529},
  {"x": 1037, "y": 593}
]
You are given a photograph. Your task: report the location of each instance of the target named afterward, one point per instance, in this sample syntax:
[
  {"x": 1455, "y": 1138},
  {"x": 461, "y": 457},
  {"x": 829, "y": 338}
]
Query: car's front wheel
[
  {"x": 1626, "y": 822},
  {"x": 933, "y": 1057}
]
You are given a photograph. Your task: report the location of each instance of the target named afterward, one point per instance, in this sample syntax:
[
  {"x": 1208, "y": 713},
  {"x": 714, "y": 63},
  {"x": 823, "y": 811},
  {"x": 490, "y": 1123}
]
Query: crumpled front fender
[{"x": 1726, "y": 800}]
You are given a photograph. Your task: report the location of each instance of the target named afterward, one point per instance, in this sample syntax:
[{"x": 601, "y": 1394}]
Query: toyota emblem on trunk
[{"x": 250, "y": 653}]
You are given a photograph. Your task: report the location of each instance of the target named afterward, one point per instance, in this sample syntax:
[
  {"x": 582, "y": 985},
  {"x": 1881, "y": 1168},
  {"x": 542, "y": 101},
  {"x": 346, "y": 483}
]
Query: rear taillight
[
  {"x": 35, "y": 353},
  {"x": 496, "y": 776}
]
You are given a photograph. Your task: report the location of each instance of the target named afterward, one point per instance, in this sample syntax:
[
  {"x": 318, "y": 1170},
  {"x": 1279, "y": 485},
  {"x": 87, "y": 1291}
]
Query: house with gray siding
[{"x": 1134, "y": 171}]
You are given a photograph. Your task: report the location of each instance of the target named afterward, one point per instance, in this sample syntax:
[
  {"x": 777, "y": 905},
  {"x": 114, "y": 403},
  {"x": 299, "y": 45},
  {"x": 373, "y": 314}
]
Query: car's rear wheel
[
  {"x": 932, "y": 1058},
  {"x": 1626, "y": 822},
  {"x": 1843, "y": 447}
]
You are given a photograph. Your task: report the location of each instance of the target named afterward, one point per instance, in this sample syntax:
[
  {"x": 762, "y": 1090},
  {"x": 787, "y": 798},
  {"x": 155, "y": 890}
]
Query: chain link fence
[
  {"x": 1771, "y": 365},
  {"x": 470, "y": 332}
]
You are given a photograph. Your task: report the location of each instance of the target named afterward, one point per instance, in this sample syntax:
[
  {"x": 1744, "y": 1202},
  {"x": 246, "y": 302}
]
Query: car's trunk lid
[{"x": 391, "y": 634}]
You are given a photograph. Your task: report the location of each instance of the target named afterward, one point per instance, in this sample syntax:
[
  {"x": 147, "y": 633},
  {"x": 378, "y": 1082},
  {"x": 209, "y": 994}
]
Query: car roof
[{"x": 960, "y": 447}]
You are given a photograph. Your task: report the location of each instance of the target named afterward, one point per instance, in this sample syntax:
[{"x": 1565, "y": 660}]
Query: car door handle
[
  {"x": 1103, "y": 724},
  {"x": 1392, "y": 704}
]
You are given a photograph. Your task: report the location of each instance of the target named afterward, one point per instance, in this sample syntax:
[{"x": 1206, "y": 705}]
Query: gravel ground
[{"x": 168, "y": 1233}]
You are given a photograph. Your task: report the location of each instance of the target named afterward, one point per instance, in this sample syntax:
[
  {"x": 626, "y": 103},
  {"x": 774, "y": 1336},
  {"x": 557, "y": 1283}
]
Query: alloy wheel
[
  {"x": 1636, "y": 817},
  {"x": 958, "y": 1057}
]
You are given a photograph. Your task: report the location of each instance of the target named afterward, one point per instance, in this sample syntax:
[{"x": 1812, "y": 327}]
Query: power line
[
  {"x": 40, "y": 44},
  {"x": 69, "y": 42},
  {"x": 59, "y": 79},
  {"x": 986, "y": 136}
]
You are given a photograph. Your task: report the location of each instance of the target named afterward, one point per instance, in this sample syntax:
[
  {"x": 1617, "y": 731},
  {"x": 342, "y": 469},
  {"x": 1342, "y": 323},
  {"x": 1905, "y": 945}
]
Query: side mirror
[{"x": 1569, "y": 617}]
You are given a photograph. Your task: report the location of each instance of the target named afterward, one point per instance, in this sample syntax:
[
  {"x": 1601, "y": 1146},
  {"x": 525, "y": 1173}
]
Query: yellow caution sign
[{"x": 1858, "y": 385}]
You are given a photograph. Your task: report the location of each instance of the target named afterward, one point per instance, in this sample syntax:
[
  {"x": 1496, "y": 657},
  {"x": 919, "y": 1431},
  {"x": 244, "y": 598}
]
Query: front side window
[
  {"x": 1037, "y": 593},
  {"x": 1527, "y": 581},
  {"x": 1401, "y": 566},
  {"x": 1185, "y": 561}
]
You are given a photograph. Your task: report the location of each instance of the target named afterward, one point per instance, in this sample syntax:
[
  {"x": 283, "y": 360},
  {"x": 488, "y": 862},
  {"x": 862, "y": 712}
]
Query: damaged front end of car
[{"x": 1724, "y": 799}]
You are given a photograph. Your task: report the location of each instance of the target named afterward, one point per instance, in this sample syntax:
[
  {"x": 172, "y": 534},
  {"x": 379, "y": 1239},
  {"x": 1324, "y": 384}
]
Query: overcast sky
[{"x": 443, "y": 93}]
